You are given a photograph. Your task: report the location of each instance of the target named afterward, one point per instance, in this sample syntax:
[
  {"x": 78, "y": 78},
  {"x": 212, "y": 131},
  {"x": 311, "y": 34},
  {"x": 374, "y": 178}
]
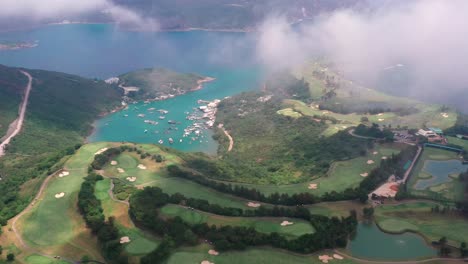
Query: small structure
[
  {"x": 426, "y": 133},
  {"x": 436, "y": 130}
]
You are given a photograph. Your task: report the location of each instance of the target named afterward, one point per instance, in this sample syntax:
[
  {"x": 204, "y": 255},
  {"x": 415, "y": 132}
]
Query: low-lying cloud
[
  {"x": 58, "y": 10},
  {"x": 429, "y": 37}
]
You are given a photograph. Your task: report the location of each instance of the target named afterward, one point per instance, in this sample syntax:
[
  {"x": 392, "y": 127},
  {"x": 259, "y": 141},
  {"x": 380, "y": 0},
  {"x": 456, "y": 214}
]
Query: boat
[
  {"x": 162, "y": 117},
  {"x": 146, "y": 130},
  {"x": 160, "y": 141},
  {"x": 141, "y": 115},
  {"x": 172, "y": 122},
  {"x": 171, "y": 140}
]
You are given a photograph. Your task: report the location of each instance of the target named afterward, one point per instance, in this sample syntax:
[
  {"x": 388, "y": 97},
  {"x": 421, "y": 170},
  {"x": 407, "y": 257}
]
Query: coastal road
[{"x": 15, "y": 126}]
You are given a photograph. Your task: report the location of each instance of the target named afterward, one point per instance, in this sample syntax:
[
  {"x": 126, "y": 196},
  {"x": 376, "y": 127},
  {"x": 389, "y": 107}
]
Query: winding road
[
  {"x": 231, "y": 140},
  {"x": 15, "y": 126}
]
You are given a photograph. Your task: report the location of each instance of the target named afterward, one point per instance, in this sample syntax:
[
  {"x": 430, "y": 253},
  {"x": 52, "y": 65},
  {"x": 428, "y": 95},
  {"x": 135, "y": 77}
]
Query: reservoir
[{"x": 371, "y": 243}]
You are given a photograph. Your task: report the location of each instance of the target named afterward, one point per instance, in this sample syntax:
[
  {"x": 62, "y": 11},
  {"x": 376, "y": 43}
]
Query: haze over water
[{"x": 103, "y": 51}]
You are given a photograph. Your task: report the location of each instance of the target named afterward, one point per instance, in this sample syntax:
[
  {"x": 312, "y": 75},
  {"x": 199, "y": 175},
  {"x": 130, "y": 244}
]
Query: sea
[{"x": 103, "y": 51}]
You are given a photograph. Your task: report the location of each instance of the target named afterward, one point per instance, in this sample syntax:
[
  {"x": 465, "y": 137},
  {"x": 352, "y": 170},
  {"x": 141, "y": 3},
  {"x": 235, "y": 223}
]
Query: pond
[
  {"x": 372, "y": 243},
  {"x": 440, "y": 172}
]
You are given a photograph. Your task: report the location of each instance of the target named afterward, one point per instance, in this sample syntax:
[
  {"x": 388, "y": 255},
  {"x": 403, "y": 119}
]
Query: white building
[{"x": 426, "y": 133}]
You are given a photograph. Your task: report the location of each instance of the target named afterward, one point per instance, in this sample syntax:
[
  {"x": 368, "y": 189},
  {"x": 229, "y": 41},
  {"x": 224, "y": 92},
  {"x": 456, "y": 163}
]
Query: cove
[
  {"x": 372, "y": 243},
  {"x": 103, "y": 51},
  {"x": 440, "y": 172}
]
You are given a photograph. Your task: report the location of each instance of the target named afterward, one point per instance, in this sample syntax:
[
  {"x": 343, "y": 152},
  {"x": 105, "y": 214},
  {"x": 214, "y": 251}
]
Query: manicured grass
[
  {"x": 156, "y": 175},
  {"x": 452, "y": 190},
  {"x": 55, "y": 224},
  {"x": 289, "y": 112},
  {"x": 141, "y": 243},
  {"x": 417, "y": 217},
  {"x": 342, "y": 175},
  {"x": 38, "y": 259},
  {"x": 261, "y": 224},
  {"x": 460, "y": 142},
  {"x": 257, "y": 256}
]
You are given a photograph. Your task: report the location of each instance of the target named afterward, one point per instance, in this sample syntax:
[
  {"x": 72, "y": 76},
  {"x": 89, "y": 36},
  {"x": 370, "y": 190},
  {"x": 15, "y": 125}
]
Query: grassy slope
[
  {"x": 460, "y": 142},
  {"x": 141, "y": 243},
  {"x": 257, "y": 255},
  {"x": 450, "y": 190},
  {"x": 12, "y": 84},
  {"x": 45, "y": 229},
  {"x": 417, "y": 217},
  {"x": 61, "y": 110},
  {"x": 352, "y": 95},
  {"x": 341, "y": 175},
  {"x": 159, "y": 81},
  {"x": 261, "y": 224}
]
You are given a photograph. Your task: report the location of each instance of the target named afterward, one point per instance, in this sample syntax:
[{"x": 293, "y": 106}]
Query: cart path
[{"x": 15, "y": 126}]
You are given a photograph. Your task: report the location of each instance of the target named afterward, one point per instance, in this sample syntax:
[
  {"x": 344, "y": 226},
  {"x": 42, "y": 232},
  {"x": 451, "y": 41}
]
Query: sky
[{"x": 429, "y": 39}]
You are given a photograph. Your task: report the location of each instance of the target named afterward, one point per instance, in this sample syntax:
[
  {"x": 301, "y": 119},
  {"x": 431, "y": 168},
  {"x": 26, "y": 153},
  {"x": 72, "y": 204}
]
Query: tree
[
  {"x": 364, "y": 119},
  {"x": 463, "y": 250},
  {"x": 10, "y": 257},
  {"x": 368, "y": 212},
  {"x": 444, "y": 249}
]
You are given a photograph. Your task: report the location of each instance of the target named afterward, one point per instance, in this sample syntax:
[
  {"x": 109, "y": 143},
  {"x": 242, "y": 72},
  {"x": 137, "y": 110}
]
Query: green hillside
[
  {"x": 157, "y": 82},
  {"x": 60, "y": 113},
  {"x": 12, "y": 84}
]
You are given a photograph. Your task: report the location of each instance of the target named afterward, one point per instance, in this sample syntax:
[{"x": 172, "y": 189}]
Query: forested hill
[
  {"x": 156, "y": 82},
  {"x": 12, "y": 84},
  {"x": 60, "y": 113}
]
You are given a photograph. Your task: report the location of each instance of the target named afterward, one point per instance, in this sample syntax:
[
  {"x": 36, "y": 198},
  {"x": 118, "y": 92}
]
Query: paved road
[{"x": 18, "y": 123}]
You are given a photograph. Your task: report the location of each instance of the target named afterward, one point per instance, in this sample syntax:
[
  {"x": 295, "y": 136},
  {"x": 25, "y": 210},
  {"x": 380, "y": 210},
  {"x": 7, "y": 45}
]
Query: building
[
  {"x": 436, "y": 130},
  {"x": 426, "y": 133}
]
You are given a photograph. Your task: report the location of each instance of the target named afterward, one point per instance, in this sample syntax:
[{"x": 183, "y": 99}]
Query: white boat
[
  {"x": 160, "y": 141},
  {"x": 171, "y": 140}
]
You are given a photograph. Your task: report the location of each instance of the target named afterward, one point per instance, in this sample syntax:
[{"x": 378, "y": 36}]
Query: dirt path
[
  {"x": 111, "y": 194},
  {"x": 18, "y": 123},
  {"x": 231, "y": 141}
]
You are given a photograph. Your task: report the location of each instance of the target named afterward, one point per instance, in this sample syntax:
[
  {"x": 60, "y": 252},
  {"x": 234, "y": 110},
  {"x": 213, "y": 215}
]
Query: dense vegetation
[
  {"x": 61, "y": 110},
  {"x": 12, "y": 84},
  {"x": 374, "y": 131},
  {"x": 159, "y": 81},
  {"x": 144, "y": 205},
  {"x": 393, "y": 165},
  {"x": 278, "y": 149},
  {"x": 106, "y": 231},
  {"x": 460, "y": 127}
]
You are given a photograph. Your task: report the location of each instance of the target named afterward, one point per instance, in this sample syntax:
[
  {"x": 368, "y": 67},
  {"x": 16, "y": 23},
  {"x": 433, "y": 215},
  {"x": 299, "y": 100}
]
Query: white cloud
[
  {"x": 56, "y": 10},
  {"x": 429, "y": 36}
]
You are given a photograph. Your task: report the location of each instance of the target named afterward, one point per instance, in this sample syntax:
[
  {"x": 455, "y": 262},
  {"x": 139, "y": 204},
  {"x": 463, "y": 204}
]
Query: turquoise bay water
[
  {"x": 371, "y": 243},
  {"x": 103, "y": 51},
  {"x": 440, "y": 171}
]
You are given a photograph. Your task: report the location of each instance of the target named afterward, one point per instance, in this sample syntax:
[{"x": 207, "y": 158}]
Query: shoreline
[
  {"x": 121, "y": 107},
  {"x": 188, "y": 29}
]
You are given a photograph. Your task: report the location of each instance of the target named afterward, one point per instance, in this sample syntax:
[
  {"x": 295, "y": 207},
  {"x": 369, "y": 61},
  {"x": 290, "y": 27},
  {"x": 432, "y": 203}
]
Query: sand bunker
[
  {"x": 141, "y": 167},
  {"x": 375, "y": 153},
  {"x": 101, "y": 151},
  {"x": 213, "y": 252},
  {"x": 63, "y": 174},
  {"x": 370, "y": 162},
  {"x": 120, "y": 170},
  {"x": 445, "y": 115},
  {"x": 131, "y": 179},
  {"x": 286, "y": 223},
  {"x": 325, "y": 258},
  {"x": 384, "y": 157},
  {"x": 206, "y": 262},
  {"x": 338, "y": 256},
  {"x": 252, "y": 204},
  {"x": 312, "y": 186},
  {"x": 113, "y": 163},
  {"x": 124, "y": 240},
  {"x": 380, "y": 114},
  {"x": 381, "y": 119},
  {"x": 60, "y": 195},
  {"x": 365, "y": 174}
]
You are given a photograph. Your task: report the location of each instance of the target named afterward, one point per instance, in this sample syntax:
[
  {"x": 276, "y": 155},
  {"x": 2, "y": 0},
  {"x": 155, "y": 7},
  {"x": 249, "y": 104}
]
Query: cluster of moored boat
[{"x": 203, "y": 118}]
